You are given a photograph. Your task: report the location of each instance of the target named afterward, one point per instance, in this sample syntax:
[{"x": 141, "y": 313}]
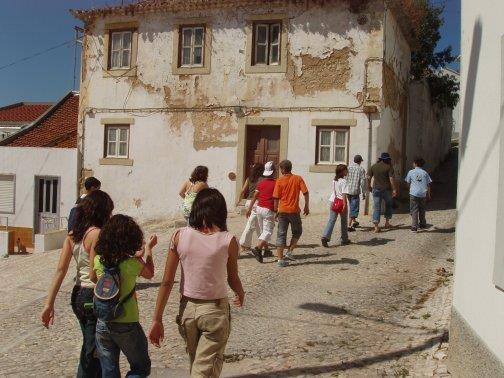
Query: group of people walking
[{"x": 111, "y": 252}]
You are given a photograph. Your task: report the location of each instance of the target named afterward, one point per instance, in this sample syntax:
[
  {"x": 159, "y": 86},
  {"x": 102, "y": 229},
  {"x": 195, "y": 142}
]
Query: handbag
[{"x": 338, "y": 204}]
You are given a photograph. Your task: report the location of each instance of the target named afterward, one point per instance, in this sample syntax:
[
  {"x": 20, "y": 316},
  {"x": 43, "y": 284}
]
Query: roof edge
[{"x": 46, "y": 114}]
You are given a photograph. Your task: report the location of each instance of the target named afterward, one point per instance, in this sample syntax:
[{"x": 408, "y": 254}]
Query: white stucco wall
[
  {"x": 391, "y": 132},
  {"x": 480, "y": 206},
  {"x": 429, "y": 128},
  {"x": 26, "y": 163},
  {"x": 165, "y": 146}
]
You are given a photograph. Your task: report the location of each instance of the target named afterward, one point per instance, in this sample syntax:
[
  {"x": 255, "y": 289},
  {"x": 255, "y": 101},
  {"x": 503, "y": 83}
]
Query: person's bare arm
[
  {"x": 306, "y": 210},
  {"x": 429, "y": 192},
  {"x": 252, "y": 203},
  {"x": 345, "y": 204},
  {"x": 183, "y": 190},
  {"x": 244, "y": 190},
  {"x": 148, "y": 266},
  {"x": 393, "y": 185},
  {"x": 47, "y": 314},
  {"x": 156, "y": 332},
  {"x": 232, "y": 272}
]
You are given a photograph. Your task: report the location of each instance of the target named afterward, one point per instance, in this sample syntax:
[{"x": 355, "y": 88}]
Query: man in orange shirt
[{"x": 286, "y": 195}]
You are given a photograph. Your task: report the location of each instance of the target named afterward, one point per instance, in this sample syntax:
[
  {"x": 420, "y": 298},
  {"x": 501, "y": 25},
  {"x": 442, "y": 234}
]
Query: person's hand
[
  {"x": 306, "y": 210},
  {"x": 429, "y": 197},
  {"x": 239, "y": 299},
  {"x": 276, "y": 216},
  {"x": 47, "y": 315},
  {"x": 363, "y": 196},
  {"x": 247, "y": 214},
  {"x": 156, "y": 333},
  {"x": 370, "y": 190},
  {"x": 152, "y": 241},
  {"x": 394, "y": 193}
]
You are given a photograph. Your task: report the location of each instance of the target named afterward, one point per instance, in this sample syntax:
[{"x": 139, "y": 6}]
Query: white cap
[{"x": 269, "y": 168}]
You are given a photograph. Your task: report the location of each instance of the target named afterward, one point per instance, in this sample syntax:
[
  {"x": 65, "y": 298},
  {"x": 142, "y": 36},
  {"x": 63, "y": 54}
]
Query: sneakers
[
  {"x": 267, "y": 253},
  {"x": 351, "y": 229},
  {"x": 325, "y": 242},
  {"x": 346, "y": 242},
  {"x": 356, "y": 224},
  {"x": 414, "y": 229},
  {"x": 282, "y": 263},
  {"x": 289, "y": 256},
  {"x": 257, "y": 254}
]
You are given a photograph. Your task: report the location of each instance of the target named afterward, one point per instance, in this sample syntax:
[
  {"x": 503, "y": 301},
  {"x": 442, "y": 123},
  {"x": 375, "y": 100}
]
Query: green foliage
[{"x": 426, "y": 62}]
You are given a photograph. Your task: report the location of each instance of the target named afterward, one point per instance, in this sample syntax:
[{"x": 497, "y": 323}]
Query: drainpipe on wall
[{"x": 369, "y": 109}]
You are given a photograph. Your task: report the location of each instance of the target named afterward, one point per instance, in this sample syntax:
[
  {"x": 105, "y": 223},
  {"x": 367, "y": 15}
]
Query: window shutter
[{"x": 7, "y": 194}]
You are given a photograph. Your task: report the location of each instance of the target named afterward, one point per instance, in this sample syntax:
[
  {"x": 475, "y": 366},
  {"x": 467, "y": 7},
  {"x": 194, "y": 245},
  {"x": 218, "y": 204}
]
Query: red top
[{"x": 265, "y": 189}]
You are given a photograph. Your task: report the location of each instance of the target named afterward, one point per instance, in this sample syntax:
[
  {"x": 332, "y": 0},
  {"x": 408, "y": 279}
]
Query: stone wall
[{"x": 429, "y": 127}]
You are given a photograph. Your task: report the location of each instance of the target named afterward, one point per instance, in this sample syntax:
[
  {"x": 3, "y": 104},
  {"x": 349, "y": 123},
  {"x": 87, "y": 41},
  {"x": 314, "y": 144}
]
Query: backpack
[{"x": 107, "y": 304}]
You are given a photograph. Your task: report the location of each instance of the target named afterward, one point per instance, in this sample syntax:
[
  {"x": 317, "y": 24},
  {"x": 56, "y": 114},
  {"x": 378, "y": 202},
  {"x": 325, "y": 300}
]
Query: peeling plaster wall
[
  {"x": 327, "y": 53},
  {"x": 393, "y": 127},
  {"x": 429, "y": 128}
]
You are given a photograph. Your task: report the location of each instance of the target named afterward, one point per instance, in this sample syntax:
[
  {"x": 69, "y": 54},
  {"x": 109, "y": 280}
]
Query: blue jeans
[
  {"x": 333, "y": 216},
  {"x": 129, "y": 338},
  {"x": 354, "y": 204},
  {"x": 378, "y": 196},
  {"x": 89, "y": 364}
]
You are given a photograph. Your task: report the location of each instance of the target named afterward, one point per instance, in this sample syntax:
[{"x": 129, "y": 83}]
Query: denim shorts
[{"x": 284, "y": 219}]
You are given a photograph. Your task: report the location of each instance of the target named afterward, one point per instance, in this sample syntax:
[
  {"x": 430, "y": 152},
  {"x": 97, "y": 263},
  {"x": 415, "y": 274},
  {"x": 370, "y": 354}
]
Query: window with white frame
[
  {"x": 267, "y": 40},
  {"x": 7, "y": 193},
  {"x": 332, "y": 145},
  {"x": 120, "y": 49},
  {"x": 192, "y": 46},
  {"x": 117, "y": 141}
]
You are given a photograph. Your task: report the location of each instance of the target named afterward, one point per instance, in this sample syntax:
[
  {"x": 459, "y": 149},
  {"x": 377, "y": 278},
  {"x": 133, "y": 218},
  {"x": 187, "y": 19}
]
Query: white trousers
[
  {"x": 266, "y": 220},
  {"x": 251, "y": 227}
]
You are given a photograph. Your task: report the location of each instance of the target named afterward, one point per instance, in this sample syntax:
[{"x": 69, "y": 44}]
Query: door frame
[
  {"x": 242, "y": 142},
  {"x": 35, "y": 199}
]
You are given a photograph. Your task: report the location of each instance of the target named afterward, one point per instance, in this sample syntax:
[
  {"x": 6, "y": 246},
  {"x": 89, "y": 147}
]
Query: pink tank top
[{"x": 203, "y": 258}]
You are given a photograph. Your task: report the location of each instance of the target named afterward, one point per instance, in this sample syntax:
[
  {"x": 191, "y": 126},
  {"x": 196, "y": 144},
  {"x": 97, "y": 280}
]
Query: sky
[{"x": 28, "y": 27}]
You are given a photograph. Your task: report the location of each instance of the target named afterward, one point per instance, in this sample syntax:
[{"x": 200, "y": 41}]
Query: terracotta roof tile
[
  {"x": 57, "y": 129},
  {"x": 22, "y": 112}
]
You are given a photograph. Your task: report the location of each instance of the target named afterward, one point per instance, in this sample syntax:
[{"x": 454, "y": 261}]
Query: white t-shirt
[{"x": 339, "y": 188}]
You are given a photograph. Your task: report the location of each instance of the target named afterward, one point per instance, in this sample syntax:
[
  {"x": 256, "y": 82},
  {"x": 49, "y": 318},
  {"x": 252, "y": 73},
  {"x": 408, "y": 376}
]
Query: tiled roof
[
  {"x": 58, "y": 127},
  {"x": 23, "y": 112}
]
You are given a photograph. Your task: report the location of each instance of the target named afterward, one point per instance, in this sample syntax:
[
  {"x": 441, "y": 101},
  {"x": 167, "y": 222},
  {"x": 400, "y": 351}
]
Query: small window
[
  {"x": 7, "y": 193},
  {"x": 117, "y": 141},
  {"x": 332, "y": 145},
  {"x": 267, "y": 40},
  {"x": 192, "y": 46},
  {"x": 120, "y": 49}
]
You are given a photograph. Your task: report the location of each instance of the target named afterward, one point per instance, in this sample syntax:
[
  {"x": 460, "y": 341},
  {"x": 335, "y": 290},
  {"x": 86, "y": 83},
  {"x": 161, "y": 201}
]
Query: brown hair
[{"x": 340, "y": 171}]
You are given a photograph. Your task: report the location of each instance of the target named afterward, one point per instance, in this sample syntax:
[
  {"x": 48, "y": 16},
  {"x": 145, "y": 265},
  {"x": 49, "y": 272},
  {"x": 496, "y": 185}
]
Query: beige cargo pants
[{"x": 205, "y": 327}]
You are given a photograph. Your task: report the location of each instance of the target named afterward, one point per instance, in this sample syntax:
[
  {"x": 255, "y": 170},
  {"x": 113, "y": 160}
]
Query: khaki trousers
[{"x": 205, "y": 326}]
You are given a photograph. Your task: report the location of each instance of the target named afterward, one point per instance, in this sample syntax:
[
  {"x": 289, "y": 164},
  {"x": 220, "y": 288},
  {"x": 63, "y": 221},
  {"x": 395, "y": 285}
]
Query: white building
[
  {"x": 477, "y": 328},
  {"x": 168, "y": 85},
  {"x": 457, "y": 111},
  {"x": 38, "y": 173}
]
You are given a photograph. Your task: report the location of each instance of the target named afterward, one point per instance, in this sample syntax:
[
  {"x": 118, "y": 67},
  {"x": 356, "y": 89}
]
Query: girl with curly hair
[
  {"x": 118, "y": 245},
  {"x": 91, "y": 215},
  {"x": 190, "y": 188},
  {"x": 208, "y": 256}
]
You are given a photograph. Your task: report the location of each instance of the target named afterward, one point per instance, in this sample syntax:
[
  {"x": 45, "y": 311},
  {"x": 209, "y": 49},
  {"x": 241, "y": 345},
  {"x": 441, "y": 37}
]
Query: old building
[
  {"x": 38, "y": 174},
  {"x": 170, "y": 84},
  {"x": 477, "y": 326},
  {"x": 15, "y": 117}
]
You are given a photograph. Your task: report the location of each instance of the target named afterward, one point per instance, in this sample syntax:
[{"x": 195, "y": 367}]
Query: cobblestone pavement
[{"x": 377, "y": 307}]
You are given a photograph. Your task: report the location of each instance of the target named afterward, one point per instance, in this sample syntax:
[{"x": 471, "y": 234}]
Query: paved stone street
[{"x": 378, "y": 307}]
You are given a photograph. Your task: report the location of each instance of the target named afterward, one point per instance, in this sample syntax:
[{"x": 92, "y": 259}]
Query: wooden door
[{"x": 263, "y": 145}]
